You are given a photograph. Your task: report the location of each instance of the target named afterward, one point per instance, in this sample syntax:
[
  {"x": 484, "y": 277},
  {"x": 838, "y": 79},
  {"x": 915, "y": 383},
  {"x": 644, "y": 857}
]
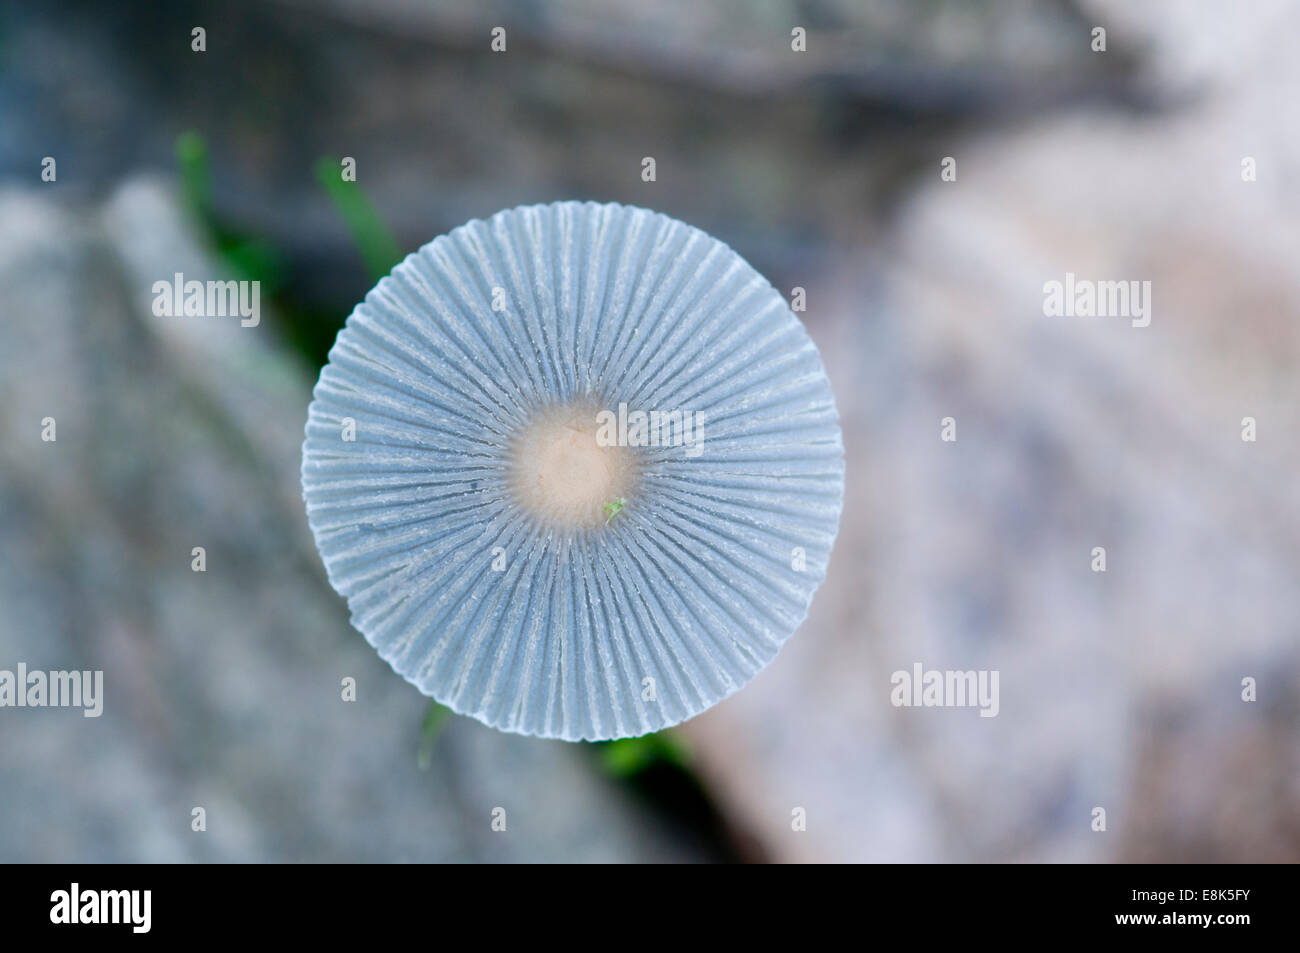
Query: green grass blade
[
  {"x": 434, "y": 719},
  {"x": 379, "y": 249},
  {"x": 196, "y": 175}
]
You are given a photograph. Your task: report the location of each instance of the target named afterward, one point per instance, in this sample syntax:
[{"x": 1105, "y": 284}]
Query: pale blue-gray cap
[{"x": 591, "y": 632}]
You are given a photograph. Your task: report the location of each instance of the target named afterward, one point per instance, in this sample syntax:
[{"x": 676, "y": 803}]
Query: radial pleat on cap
[{"x": 588, "y": 631}]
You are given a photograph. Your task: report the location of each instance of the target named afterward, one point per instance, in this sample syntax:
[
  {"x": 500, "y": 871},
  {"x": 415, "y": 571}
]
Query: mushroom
[{"x": 577, "y": 470}]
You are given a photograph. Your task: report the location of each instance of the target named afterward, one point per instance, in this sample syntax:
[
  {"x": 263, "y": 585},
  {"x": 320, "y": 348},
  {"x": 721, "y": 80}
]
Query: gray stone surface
[
  {"x": 222, "y": 687},
  {"x": 793, "y": 152},
  {"x": 1119, "y": 690}
]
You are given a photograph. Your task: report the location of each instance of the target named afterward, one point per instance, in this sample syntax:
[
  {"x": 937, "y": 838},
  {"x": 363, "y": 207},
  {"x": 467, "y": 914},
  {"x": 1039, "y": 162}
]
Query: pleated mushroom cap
[{"x": 504, "y": 534}]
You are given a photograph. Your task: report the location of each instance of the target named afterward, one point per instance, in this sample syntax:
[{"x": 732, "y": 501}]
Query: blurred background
[{"x": 1119, "y": 690}]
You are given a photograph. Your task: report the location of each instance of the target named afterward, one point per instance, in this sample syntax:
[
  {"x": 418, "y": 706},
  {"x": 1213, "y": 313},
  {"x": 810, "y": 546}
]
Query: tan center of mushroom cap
[{"x": 562, "y": 474}]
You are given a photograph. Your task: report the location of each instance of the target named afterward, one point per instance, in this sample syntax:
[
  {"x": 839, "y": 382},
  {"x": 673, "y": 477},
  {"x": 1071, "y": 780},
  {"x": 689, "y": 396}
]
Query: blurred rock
[
  {"x": 752, "y": 140},
  {"x": 223, "y": 688},
  {"x": 1120, "y": 690}
]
